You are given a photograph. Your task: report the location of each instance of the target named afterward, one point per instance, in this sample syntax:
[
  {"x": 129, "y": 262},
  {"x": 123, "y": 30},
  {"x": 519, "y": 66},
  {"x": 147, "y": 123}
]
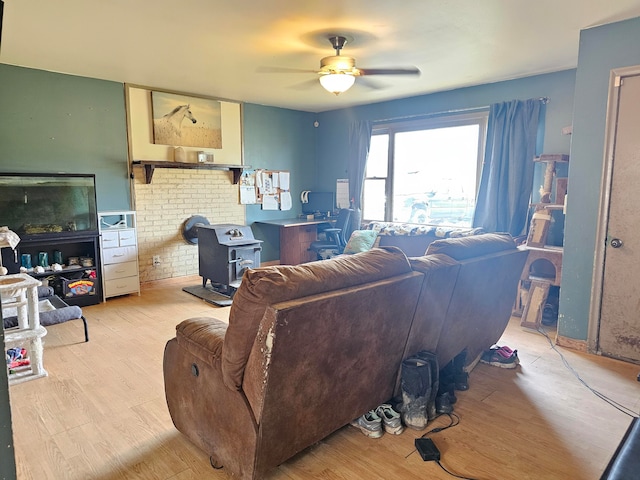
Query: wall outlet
[{"x": 156, "y": 260}]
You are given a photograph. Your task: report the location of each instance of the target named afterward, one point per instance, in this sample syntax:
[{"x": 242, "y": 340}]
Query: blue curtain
[
  {"x": 359, "y": 142},
  {"x": 507, "y": 172}
]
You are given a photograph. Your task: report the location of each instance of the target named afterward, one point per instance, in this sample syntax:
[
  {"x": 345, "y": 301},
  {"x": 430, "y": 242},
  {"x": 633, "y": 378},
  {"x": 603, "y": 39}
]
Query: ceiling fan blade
[
  {"x": 305, "y": 85},
  {"x": 372, "y": 84},
  {"x": 389, "y": 71},
  {"x": 283, "y": 70}
]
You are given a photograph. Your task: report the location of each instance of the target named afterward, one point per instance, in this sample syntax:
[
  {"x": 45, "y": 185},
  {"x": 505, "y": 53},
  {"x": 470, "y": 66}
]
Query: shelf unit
[
  {"x": 119, "y": 253},
  {"x": 150, "y": 166},
  {"x": 70, "y": 244},
  {"x": 543, "y": 268}
]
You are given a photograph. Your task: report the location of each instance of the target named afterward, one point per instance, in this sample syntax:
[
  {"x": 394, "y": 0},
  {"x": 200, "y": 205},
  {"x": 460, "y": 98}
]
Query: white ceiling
[{"x": 219, "y": 48}]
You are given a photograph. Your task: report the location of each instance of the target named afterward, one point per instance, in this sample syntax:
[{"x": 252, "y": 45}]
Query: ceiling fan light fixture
[
  {"x": 338, "y": 63},
  {"x": 337, "y": 83}
]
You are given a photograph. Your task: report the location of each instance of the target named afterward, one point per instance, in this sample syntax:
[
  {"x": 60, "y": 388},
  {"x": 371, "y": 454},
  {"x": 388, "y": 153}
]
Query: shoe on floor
[
  {"x": 391, "y": 421},
  {"x": 370, "y": 424},
  {"x": 462, "y": 381},
  {"x": 502, "y": 357},
  {"x": 443, "y": 403},
  {"x": 504, "y": 350}
]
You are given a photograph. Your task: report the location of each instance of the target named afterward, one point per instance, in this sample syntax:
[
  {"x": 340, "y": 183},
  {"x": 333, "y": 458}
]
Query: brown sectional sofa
[
  {"x": 310, "y": 347},
  {"x": 481, "y": 301}
]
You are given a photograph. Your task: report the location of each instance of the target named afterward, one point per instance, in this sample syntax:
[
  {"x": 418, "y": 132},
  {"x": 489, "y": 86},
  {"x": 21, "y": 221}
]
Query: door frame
[{"x": 615, "y": 75}]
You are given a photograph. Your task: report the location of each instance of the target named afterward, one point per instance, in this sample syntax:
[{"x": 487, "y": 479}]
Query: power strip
[{"x": 427, "y": 449}]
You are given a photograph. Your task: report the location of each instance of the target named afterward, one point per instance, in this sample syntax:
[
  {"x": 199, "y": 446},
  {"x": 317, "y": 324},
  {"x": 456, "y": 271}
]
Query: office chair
[{"x": 336, "y": 237}]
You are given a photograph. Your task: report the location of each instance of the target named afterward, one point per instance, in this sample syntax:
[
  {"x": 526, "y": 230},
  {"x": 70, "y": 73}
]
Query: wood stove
[{"x": 225, "y": 251}]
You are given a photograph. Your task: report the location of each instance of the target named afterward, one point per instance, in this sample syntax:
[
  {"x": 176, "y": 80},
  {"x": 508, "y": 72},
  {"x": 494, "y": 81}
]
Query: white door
[{"x": 619, "y": 332}]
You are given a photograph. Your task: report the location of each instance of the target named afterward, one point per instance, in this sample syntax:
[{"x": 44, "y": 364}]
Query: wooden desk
[{"x": 296, "y": 235}]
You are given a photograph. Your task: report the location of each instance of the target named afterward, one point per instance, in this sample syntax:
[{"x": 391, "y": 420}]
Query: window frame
[{"x": 478, "y": 117}]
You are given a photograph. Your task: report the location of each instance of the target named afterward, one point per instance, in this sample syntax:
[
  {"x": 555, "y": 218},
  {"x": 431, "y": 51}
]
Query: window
[{"x": 425, "y": 171}]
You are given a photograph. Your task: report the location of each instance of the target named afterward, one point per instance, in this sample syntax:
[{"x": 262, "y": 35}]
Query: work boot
[
  {"x": 415, "y": 383},
  {"x": 435, "y": 382},
  {"x": 446, "y": 395},
  {"x": 448, "y": 381},
  {"x": 460, "y": 377},
  {"x": 443, "y": 405}
]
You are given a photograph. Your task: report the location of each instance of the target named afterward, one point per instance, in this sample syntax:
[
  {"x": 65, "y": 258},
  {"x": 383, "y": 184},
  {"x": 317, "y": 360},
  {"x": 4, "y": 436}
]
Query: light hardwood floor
[{"x": 101, "y": 412}]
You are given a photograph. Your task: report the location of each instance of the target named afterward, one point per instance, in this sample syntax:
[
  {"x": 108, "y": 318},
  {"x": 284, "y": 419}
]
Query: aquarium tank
[{"x": 37, "y": 205}]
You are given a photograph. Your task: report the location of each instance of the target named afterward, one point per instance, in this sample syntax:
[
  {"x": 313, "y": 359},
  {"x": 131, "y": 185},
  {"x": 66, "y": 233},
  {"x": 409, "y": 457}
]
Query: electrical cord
[
  {"x": 451, "y": 473},
  {"x": 453, "y": 421},
  {"x": 613, "y": 403}
]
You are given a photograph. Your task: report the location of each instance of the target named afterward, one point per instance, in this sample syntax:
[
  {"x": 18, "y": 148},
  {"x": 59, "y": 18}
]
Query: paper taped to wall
[
  {"x": 342, "y": 193},
  {"x": 285, "y": 201}
]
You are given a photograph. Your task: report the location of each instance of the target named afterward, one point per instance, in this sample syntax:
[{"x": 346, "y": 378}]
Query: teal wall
[
  {"x": 278, "y": 139},
  {"x": 601, "y": 49},
  {"x": 60, "y": 123},
  {"x": 334, "y": 125}
]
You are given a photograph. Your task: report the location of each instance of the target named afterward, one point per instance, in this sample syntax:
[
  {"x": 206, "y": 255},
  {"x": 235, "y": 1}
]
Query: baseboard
[
  {"x": 473, "y": 364},
  {"x": 187, "y": 279},
  {"x": 572, "y": 343},
  {"x": 178, "y": 280}
]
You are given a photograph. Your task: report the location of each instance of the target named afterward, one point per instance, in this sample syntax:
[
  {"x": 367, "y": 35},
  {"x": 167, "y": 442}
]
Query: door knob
[{"x": 616, "y": 243}]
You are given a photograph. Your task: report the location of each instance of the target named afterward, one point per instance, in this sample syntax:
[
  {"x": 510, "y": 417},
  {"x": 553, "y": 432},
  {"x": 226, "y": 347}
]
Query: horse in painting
[{"x": 168, "y": 129}]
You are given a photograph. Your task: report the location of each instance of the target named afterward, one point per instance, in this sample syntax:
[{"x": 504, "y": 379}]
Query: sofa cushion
[
  {"x": 264, "y": 286},
  {"x": 360, "y": 241},
  {"x": 474, "y": 246}
]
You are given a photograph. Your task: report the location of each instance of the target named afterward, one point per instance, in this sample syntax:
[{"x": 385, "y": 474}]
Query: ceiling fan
[{"x": 338, "y": 72}]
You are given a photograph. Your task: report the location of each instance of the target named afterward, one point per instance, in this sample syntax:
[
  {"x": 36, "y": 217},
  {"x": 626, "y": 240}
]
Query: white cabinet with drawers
[{"x": 119, "y": 253}]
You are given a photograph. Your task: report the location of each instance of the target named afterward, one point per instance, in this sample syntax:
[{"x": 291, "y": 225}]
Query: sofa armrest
[
  {"x": 203, "y": 337},
  {"x": 215, "y": 418}
]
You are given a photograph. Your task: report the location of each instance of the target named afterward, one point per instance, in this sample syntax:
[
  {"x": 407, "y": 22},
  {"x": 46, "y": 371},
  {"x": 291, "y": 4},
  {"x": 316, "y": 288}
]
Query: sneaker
[
  {"x": 369, "y": 424},
  {"x": 504, "y": 349},
  {"x": 391, "y": 421},
  {"x": 502, "y": 357}
]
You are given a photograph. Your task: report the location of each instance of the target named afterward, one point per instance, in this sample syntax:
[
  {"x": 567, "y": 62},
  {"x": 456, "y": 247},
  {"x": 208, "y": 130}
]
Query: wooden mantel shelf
[{"x": 151, "y": 165}]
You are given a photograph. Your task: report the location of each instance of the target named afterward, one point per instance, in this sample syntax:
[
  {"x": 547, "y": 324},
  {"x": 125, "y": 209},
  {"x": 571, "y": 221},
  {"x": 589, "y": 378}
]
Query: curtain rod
[{"x": 544, "y": 100}]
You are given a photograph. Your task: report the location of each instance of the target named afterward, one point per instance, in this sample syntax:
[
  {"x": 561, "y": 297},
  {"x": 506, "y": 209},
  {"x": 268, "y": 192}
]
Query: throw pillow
[{"x": 361, "y": 241}]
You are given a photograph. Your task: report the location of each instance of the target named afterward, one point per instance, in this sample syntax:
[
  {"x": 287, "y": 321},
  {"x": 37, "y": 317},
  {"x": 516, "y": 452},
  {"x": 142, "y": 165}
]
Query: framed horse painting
[{"x": 184, "y": 121}]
